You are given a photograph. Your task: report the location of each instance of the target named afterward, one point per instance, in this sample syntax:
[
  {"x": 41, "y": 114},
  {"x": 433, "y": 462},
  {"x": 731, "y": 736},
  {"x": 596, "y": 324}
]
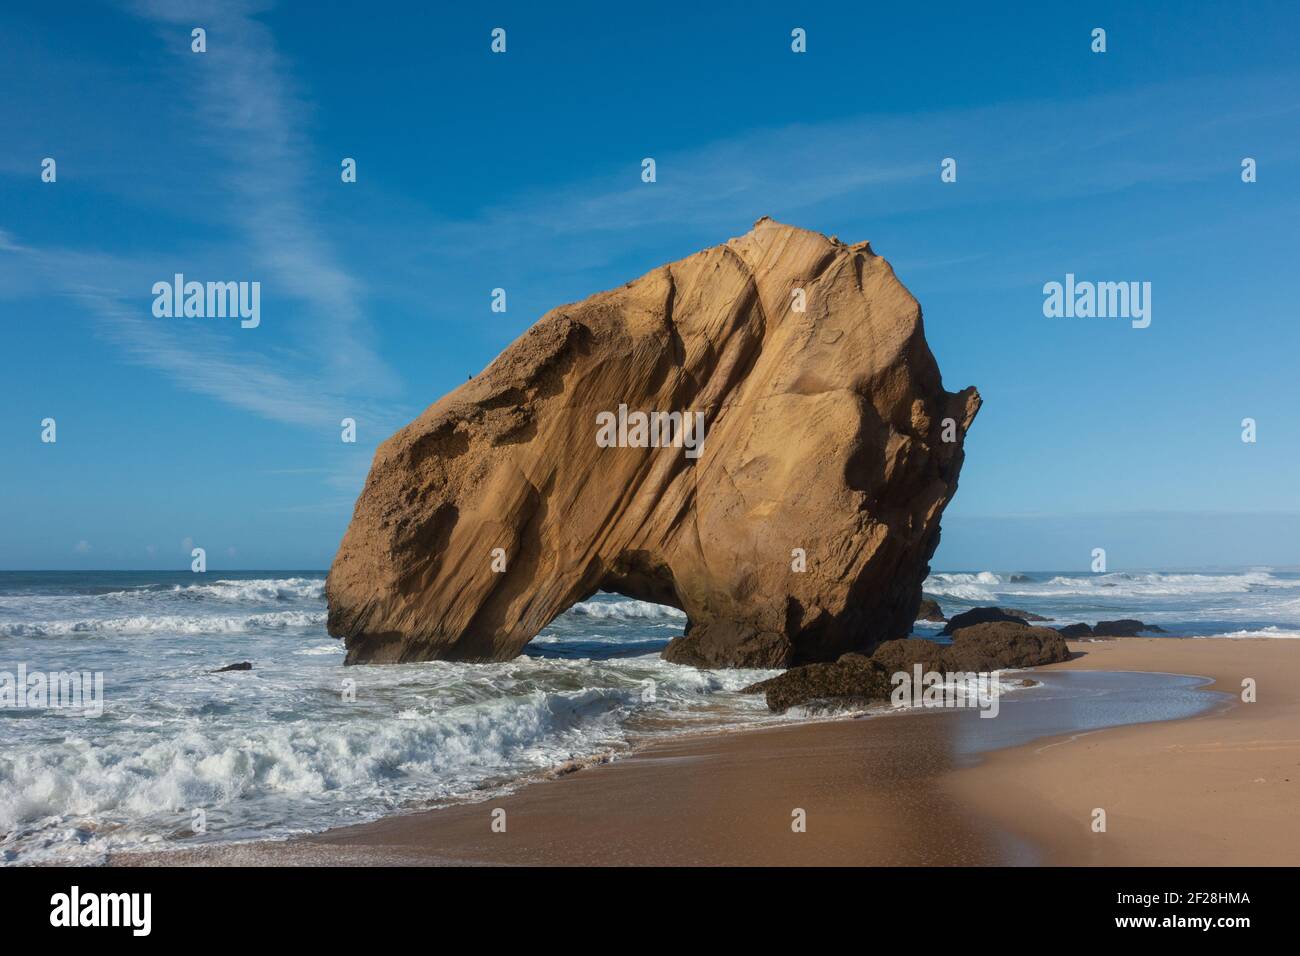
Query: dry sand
[{"x": 1223, "y": 788}]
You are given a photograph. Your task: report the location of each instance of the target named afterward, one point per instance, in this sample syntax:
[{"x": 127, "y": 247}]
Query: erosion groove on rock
[{"x": 824, "y": 437}]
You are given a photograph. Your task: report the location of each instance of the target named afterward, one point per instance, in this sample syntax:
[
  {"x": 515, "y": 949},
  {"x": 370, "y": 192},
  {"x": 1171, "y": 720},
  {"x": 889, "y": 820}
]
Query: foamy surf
[
  {"x": 280, "y": 750},
  {"x": 1191, "y": 603},
  {"x": 626, "y": 610},
  {"x": 166, "y": 624},
  {"x": 1259, "y": 632}
]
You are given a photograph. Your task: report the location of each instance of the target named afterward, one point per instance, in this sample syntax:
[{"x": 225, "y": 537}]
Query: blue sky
[{"x": 521, "y": 171}]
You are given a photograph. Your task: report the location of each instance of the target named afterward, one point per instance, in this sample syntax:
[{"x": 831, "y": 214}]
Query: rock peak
[{"x": 756, "y": 434}]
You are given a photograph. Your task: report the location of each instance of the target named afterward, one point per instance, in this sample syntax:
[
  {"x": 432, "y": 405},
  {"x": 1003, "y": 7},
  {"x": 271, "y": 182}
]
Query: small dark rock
[
  {"x": 1125, "y": 627},
  {"x": 1075, "y": 630},
  {"x": 930, "y": 611},
  {"x": 980, "y": 615},
  {"x": 1025, "y": 615},
  {"x": 1020, "y": 579},
  {"x": 241, "y": 666}
]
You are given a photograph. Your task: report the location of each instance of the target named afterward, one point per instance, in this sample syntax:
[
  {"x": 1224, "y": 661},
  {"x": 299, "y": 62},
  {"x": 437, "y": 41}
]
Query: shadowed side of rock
[{"x": 802, "y": 530}]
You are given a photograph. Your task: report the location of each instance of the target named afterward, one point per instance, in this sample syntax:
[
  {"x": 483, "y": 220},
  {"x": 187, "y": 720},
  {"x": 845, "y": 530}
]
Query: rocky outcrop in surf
[
  {"x": 1124, "y": 627},
  {"x": 1075, "y": 631},
  {"x": 756, "y": 435},
  {"x": 982, "y": 615},
  {"x": 855, "y": 679},
  {"x": 930, "y": 611}
]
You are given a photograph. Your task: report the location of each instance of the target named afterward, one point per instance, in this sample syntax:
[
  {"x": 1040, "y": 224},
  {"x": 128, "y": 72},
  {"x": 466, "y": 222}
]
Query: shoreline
[
  {"x": 887, "y": 792},
  {"x": 1216, "y": 789},
  {"x": 696, "y": 800}
]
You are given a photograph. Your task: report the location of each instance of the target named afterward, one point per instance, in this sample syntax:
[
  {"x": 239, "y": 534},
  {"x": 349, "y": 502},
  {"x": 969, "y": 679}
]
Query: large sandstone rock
[{"x": 824, "y": 432}]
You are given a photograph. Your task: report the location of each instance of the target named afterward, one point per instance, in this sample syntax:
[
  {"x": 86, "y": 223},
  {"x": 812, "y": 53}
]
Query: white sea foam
[
  {"x": 627, "y": 609},
  {"x": 1112, "y": 585},
  {"x": 1259, "y": 632},
  {"x": 966, "y": 587},
  {"x": 254, "y": 590},
  {"x": 983, "y": 577},
  {"x": 278, "y": 751},
  {"x": 455, "y": 729},
  {"x": 335, "y": 647},
  {"x": 165, "y": 623}
]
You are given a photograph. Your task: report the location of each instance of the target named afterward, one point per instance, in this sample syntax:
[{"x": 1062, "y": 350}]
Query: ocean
[{"x": 181, "y": 755}]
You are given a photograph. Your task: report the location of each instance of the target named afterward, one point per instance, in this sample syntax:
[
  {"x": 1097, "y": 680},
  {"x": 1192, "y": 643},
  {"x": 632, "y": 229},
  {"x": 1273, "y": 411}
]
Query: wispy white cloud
[
  {"x": 241, "y": 101},
  {"x": 193, "y": 356},
  {"x": 243, "y": 94}
]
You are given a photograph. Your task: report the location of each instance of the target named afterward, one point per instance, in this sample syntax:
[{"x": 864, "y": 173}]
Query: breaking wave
[
  {"x": 626, "y": 610},
  {"x": 986, "y": 584},
  {"x": 165, "y": 623}
]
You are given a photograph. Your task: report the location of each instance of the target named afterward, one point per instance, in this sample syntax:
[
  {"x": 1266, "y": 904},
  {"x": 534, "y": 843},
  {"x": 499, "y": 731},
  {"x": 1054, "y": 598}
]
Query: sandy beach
[{"x": 1216, "y": 789}]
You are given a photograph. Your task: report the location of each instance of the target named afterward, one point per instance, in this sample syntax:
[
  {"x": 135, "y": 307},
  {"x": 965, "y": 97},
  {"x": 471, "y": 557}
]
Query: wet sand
[
  {"x": 1217, "y": 790},
  {"x": 893, "y": 790},
  {"x": 718, "y": 800}
]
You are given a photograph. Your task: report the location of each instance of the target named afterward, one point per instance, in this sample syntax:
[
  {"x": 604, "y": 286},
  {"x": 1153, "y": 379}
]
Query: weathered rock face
[{"x": 823, "y": 449}]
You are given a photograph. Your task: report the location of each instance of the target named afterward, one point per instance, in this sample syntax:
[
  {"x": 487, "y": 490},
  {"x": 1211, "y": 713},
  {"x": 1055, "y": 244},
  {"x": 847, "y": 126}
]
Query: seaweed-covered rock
[
  {"x": 1073, "y": 631},
  {"x": 1124, "y": 627},
  {"x": 930, "y": 611},
  {"x": 241, "y": 666},
  {"x": 979, "y": 615},
  {"x": 997, "y": 645},
  {"x": 854, "y": 677},
  {"x": 901, "y": 655},
  {"x": 1029, "y": 616}
]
